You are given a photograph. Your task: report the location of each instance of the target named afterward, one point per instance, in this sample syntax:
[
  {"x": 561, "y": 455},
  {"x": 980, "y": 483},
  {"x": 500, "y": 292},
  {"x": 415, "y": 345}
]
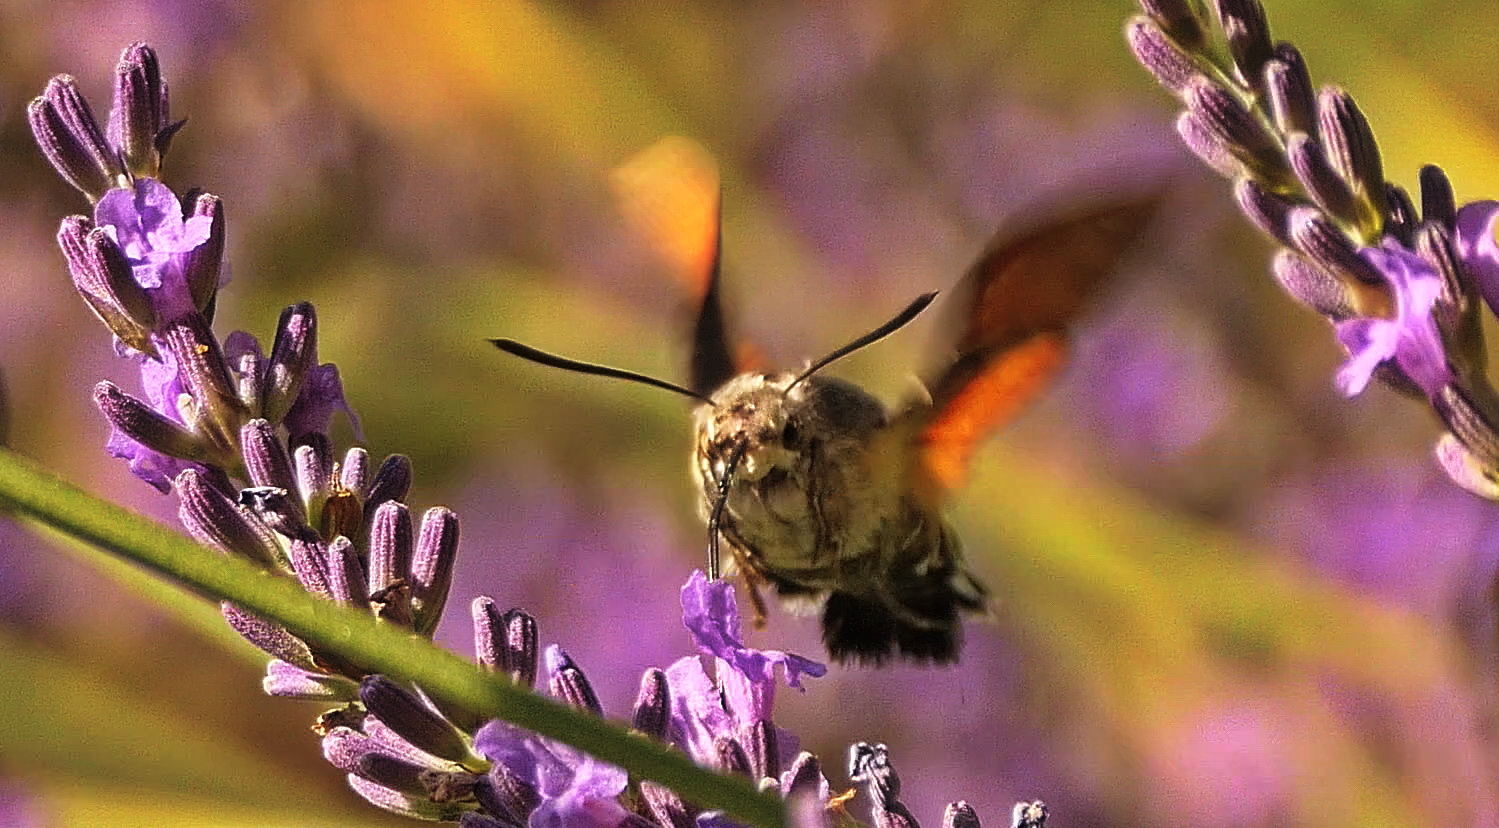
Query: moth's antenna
[
  {"x": 715, "y": 517},
  {"x": 899, "y": 321},
  {"x": 510, "y": 346}
]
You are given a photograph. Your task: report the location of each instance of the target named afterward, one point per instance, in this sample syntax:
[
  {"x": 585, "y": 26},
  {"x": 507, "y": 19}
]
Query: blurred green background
[{"x": 1225, "y": 596}]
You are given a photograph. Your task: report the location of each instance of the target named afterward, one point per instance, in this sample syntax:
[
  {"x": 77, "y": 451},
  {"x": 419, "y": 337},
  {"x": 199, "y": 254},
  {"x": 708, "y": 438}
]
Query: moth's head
[{"x": 778, "y": 418}]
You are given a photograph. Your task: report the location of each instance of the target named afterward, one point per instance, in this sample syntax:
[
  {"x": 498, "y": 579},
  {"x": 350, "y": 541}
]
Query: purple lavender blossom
[
  {"x": 146, "y": 221},
  {"x": 708, "y": 712},
  {"x": 1411, "y": 338}
]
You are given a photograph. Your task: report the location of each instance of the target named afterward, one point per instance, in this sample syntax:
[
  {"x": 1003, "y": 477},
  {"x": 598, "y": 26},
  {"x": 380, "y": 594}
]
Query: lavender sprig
[
  {"x": 242, "y": 437},
  {"x": 1404, "y": 289}
]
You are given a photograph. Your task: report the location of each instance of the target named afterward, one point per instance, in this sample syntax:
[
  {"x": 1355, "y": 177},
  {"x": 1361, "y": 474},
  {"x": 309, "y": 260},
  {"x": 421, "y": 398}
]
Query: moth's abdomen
[{"x": 912, "y": 608}]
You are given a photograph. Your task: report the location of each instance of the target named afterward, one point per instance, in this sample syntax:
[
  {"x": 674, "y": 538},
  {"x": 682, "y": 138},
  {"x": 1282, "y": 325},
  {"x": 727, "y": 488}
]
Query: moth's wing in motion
[
  {"x": 670, "y": 193},
  {"x": 1008, "y": 321},
  {"x": 1008, "y": 324}
]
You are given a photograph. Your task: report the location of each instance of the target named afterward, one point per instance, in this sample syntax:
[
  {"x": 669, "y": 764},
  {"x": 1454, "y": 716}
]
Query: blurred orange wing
[
  {"x": 670, "y": 193},
  {"x": 1009, "y": 317}
]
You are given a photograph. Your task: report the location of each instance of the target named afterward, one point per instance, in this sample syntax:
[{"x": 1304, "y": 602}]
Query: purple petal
[
  {"x": 146, "y": 221},
  {"x": 321, "y": 397},
  {"x": 149, "y": 465},
  {"x": 1478, "y": 247},
  {"x": 1411, "y": 338},
  {"x": 710, "y": 614},
  {"x": 698, "y": 716}
]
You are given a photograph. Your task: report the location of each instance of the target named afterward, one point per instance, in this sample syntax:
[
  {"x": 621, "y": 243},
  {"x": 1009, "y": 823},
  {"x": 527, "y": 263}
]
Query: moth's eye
[{"x": 791, "y": 436}]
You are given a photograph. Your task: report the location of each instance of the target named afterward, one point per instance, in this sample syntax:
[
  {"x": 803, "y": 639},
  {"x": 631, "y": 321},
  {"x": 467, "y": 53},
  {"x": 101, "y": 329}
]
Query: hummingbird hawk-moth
[{"x": 822, "y": 493}]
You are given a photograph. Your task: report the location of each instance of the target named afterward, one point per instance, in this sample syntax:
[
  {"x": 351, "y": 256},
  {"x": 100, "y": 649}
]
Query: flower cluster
[
  {"x": 1404, "y": 288},
  {"x": 242, "y": 436}
]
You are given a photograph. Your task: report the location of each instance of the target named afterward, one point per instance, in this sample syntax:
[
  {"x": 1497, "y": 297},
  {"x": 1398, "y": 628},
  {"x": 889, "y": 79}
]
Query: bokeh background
[{"x": 1225, "y": 595}]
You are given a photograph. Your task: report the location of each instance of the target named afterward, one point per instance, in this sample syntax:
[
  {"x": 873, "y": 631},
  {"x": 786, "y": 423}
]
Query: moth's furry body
[
  {"x": 836, "y": 502},
  {"x": 817, "y": 509}
]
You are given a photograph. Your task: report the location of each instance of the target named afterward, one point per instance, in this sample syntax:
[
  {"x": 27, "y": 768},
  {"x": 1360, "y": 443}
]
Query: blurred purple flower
[
  {"x": 1479, "y": 249},
  {"x": 147, "y": 223},
  {"x": 1411, "y": 339}
]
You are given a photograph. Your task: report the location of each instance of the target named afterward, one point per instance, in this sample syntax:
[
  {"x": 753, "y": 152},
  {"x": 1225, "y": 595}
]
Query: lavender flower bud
[
  {"x": 1470, "y": 425},
  {"x": 1313, "y": 285},
  {"x": 732, "y": 757},
  {"x": 249, "y": 374},
  {"x": 1178, "y": 18},
  {"x": 68, "y": 135},
  {"x": 1248, "y": 36},
  {"x": 1326, "y": 188},
  {"x": 389, "y": 545},
  {"x": 1464, "y": 469},
  {"x": 309, "y": 559},
  {"x": 1269, "y": 212},
  {"x": 1239, "y": 130},
  {"x": 960, "y": 815},
  {"x": 1160, "y": 55},
  {"x": 1289, "y": 86},
  {"x": 218, "y": 412},
  {"x": 266, "y": 459},
  {"x": 272, "y": 639},
  {"x": 342, "y": 747},
  {"x": 1433, "y": 241},
  {"x": 346, "y": 577},
  {"x": 503, "y": 792},
  {"x": 211, "y": 517},
  {"x": 1400, "y": 218},
  {"x": 103, "y": 277},
  {"x": 1437, "y": 202},
  {"x": 1345, "y": 134},
  {"x": 141, "y": 423},
  {"x": 804, "y": 777},
  {"x": 294, "y": 351},
  {"x": 287, "y": 681},
  {"x": 1029, "y": 815},
  {"x": 312, "y": 464},
  {"x": 652, "y": 711},
  {"x": 411, "y": 778},
  {"x": 413, "y": 804},
  {"x": 1207, "y": 145},
  {"x": 506, "y": 642},
  {"x": 666, "y": 806},
  {"x": 140, "y": 110},
  {"x": 568, "y": 683},
  {"x": 354, "y": 472},
  {"x": 870, "y": 766},
  {"x": 392, "y": 482},
  {"x": 1322, "y": 242},
  {"x": 205, "y": 262},
  {"x": 432, "y": 567},
  {"x": 411, "y": 719}
]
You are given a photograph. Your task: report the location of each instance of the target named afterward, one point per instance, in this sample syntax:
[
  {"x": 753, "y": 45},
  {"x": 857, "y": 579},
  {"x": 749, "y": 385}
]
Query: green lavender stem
[{"x": 32, "y": 492}]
